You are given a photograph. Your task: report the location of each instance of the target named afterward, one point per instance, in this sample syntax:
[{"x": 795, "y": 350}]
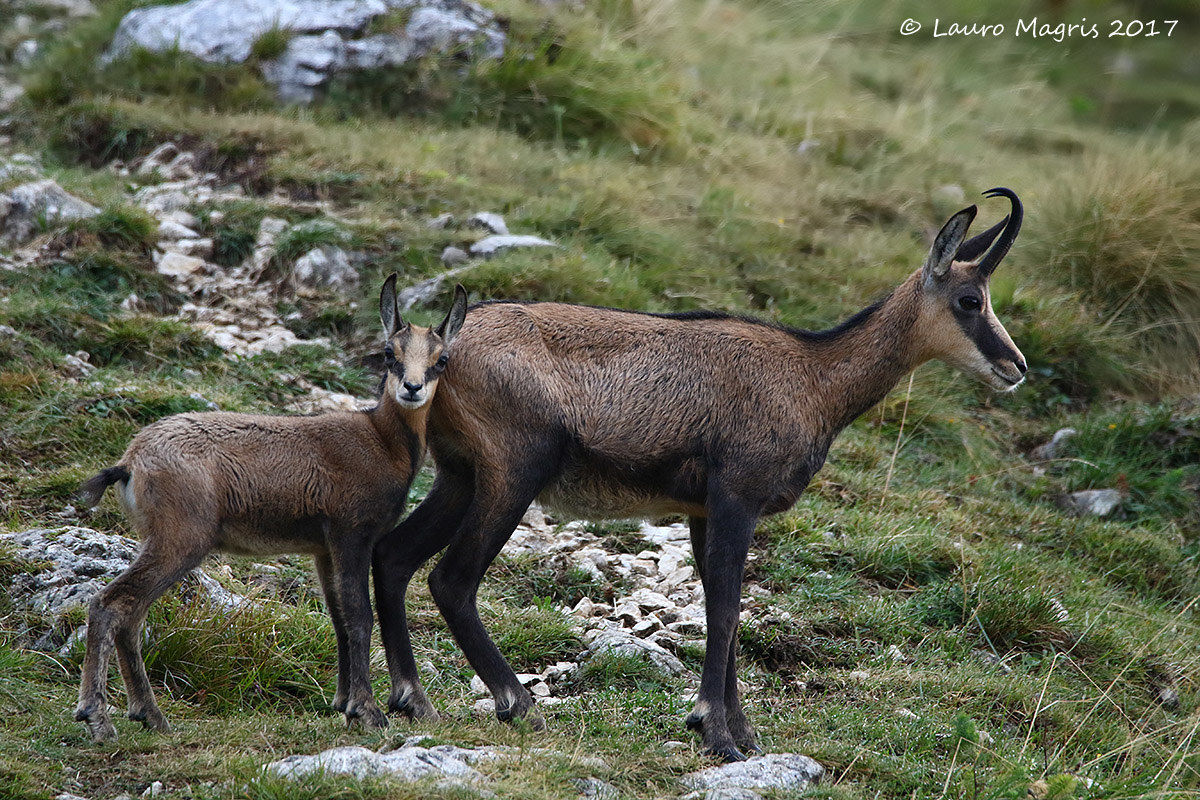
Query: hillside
[{"x": 934, "y": 618}]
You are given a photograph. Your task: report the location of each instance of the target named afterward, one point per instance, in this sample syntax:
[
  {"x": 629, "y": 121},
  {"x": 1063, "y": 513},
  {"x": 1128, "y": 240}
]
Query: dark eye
[
  {"x": 389, "y": 354},
  {"x": 970, "y": 303},
  {"x": 441, "y": 362}
]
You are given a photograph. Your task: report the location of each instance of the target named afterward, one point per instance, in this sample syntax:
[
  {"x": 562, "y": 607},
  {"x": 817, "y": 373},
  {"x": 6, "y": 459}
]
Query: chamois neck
[
  {"x": 863, "y": 362},
  {"x": 402, "y": 430}
]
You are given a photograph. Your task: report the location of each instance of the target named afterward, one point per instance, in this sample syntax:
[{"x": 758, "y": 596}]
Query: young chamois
[
  {"x": 328, "y": 485},
  {"x": 603, "y": 413}
]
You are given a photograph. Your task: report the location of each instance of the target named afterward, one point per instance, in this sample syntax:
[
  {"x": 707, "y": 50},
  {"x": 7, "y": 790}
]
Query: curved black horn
[
  {"x": 974, "y": 247},
  {"x": 990, "y": 261}
]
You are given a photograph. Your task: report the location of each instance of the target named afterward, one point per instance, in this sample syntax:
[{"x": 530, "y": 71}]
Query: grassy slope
[{"x": 665, "y": 161}]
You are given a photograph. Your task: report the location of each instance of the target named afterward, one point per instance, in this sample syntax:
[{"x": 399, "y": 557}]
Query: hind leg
[
  {"x": 115, "y": 618},
  {"x": 325, "y": 573}
]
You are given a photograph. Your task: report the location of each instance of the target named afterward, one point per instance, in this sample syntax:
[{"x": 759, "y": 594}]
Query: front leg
[
  {"x": 350, "y": 559},
  {"x": 730, "y": 528}
]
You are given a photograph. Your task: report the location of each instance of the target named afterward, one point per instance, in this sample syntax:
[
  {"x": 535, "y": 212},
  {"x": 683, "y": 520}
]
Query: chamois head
[
  {"x": 414, "y": 356},
  {"x": 956, "y": 308}
]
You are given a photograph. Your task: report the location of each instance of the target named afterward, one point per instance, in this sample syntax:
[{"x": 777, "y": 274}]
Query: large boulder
[
  {"x": 28, "y": 207},
  {"x": 327, "y": 35}
]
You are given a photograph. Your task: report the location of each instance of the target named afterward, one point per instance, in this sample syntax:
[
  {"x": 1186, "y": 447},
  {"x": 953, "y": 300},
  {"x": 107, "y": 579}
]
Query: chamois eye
[
  {"x": 389, "y": 354},
  {"x": 970, "y": 303},
  {"x": 441, "y": 362}
]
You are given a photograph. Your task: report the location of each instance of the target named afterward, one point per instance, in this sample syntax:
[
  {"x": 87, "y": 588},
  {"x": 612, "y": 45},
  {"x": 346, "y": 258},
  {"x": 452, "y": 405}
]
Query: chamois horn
[{"x": 1012, "y": 227}]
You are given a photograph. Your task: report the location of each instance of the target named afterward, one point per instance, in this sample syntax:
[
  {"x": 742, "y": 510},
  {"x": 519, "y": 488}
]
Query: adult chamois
[
  {"x": 603, "y": 413},
  {"x": 328, "y": 485}
]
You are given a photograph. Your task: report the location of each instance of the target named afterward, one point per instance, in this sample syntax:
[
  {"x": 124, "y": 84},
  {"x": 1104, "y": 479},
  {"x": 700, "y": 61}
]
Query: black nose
[
  {"x": 413, "y": 388},
  {"x": 1021, "y": 366}
]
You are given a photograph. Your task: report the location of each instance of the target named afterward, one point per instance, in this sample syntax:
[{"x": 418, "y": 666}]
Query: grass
[{"x": 752, "y": 156}]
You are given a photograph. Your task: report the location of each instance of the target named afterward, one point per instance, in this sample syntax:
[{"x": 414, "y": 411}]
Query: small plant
[
  {"x": 620, "y": 536},
  {"x": 120, "y": 228},
  {"x": 299, "y": 239},
  {"x": 526, "y": 579},
  {"x": 534, "y": 637},
  {"x": 608, "y": 670},
  {"x": 260, "y": 654},
  {"x": 270, "y": 45}
]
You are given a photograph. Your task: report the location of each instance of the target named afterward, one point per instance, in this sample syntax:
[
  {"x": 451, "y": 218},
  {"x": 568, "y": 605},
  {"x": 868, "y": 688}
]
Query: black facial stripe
[{"x": 976, "y": 328}]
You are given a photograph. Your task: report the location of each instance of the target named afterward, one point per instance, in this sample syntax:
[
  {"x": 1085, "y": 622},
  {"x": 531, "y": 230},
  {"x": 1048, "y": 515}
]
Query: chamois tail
[{"x": 89, "y": 493}]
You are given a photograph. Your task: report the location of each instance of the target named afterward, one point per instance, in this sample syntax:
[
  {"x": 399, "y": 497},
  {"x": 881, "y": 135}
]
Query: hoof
[
  {"x": 151, "y": 720},
  {"x": 367, "y": 716},
  {"x": 414, "y": 705},
  {"x": 99, "y": 726},
  {"x": 522, "y": 713},
  {"x": 728, "y": 753}
]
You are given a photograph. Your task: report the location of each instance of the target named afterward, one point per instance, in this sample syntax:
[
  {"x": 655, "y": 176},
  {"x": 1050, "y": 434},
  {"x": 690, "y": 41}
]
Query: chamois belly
[{"x": 592, "y": 488}]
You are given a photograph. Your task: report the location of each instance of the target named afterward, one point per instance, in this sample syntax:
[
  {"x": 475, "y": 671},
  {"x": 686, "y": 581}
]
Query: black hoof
[{"x": 727, "y": 753}]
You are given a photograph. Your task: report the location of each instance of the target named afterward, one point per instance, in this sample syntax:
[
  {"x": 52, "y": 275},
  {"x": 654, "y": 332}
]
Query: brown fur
[
  {"x": 326, "y": 485},
  {"x": 607, "y": 413}
]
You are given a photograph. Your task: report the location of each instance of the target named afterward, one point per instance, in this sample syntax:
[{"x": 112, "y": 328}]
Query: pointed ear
[
  {"x": 946, "y": 244},
  {"x": 978, "y": 244},
  {"x": 454, "y": 319},
  {"x": 389, "y": 314}
]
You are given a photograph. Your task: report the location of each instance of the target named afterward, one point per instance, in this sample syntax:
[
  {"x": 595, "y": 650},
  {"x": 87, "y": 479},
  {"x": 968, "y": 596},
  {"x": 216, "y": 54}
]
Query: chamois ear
[
  {"x": 946, "y": 244},
  {"x": 455, "y": 317},
  {"x": 389, "y": 313}
]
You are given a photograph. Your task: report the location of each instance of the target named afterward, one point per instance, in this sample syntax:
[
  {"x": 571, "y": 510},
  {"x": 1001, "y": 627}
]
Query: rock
[
  {"x": 896, "y": 654},
  {"x": 423, "y": 292},
  {"x": 489, "y": 222},
  {"x": 29, "y": 206},
  {"x": 178, "y": 265},
  {"x": 440, "y": 222},
  {"x": 327, "y": 267},
  {"x": 858, "y": 676},
  {"x": 584, "y": 607},
  {"x": 1092, "y": 502},
  {"x": 1167, "y": 697},
  {"x": 407, "y": 763},
  {"x": 154, "y": 789},
  {"x": 646, "y": 627},
  {"x": 595, "y": 789},
  {"x": 19, "y": 166},
  {"x": 1049, "y": 450},
  {"x": 26, "y": 52},
  {"x": 649, "y": 601},
  {"x": 172, "y": 231},
  {"x": 727, "y": 793},
  {"x": 68, "y": 796},
  {"x": 453, "y": 256},
  {"x": 780, "y": 771},
  {"x": 623, "y": 643},
  {"x": 77, "y": 366},
  {"x": 327, "y": 36},
  {"x": 73, "y": 563},
  {"x": 491, "y": 245},
  {"x": 904, "y": 713},
  {"x": 199, "y": 248},
  {"x": 478, "y": 687}
]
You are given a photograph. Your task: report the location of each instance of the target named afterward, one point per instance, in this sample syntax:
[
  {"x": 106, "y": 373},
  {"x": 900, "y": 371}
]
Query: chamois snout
[
  {"x": 415, "y": 357},
  {"x": 964, "y": 330}
]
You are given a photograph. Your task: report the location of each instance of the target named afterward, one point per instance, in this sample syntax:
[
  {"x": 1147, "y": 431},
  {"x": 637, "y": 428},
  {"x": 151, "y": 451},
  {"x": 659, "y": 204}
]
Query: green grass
[{"x": 786, "y": 160}]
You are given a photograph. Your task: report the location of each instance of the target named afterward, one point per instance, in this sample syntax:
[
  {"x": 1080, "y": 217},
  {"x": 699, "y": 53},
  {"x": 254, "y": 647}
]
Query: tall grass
[{"x": 1124, "y": 232}]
